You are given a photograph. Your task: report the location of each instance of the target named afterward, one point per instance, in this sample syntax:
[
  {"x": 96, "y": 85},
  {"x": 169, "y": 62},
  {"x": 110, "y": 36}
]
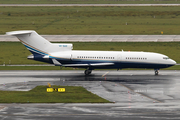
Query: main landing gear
[
  {"x": 87, "y": 72},
  {"x": 156, "y": 71}
]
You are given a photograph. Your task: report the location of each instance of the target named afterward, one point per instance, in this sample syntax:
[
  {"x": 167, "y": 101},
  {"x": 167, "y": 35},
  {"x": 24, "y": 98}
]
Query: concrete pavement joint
[{"x": 139, "y": 93}]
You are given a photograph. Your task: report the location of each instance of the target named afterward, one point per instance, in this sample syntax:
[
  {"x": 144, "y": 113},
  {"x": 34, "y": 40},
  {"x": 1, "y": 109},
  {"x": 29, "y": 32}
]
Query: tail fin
[
  {"x": 37, "y": 44},
  {"x": 33, "y": 42}
]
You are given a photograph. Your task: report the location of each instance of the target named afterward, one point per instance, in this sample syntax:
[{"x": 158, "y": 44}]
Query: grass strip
[
  {"x": 92, "y": 20},
  {"x": 89, "y": 1},
  {"x": 176, "y": 67},
  {"x": 39, "y": 95},
  {"x": 36, "y": 68}
]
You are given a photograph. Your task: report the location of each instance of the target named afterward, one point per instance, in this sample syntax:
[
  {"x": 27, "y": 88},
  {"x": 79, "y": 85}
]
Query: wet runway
[{"x": 135, "y": 94}]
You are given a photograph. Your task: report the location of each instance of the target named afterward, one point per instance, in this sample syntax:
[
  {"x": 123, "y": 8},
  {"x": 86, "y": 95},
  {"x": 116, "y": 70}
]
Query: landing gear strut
[
  {"x": 87, "y": 72},
  {"x": 156, "y": 71}
]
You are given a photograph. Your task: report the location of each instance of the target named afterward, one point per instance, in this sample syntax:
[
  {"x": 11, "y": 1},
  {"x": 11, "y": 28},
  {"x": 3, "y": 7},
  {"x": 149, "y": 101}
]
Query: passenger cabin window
[
  {"x": 136, "y": 58},
  {"x": 94, "y": 57}
]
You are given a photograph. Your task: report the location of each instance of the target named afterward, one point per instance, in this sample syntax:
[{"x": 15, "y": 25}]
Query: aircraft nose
[{"x": 173, "y": 62}]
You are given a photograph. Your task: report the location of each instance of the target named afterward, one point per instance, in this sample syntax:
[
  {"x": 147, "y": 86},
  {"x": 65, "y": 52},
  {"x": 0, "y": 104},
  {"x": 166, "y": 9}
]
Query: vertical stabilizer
[
  {"x": 38, "y": 45},
  {"x": 33, "y": 41}
]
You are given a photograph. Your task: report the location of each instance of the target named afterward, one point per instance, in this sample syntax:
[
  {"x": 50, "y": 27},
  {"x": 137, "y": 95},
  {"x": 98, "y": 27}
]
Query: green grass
[
  {"x": 177, "y": 67},
  {"x": 36, "y": 68},
  {"x": 39, "y": 95},
  {"x": 30, "y": 68},
  {"x": 91, "y": 20},
  {"x": 89, "y": 1}
]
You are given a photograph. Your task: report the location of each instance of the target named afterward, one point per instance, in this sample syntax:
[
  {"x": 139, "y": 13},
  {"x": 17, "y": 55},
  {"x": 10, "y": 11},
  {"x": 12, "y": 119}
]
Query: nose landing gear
[{"x": 156, "y": 71}]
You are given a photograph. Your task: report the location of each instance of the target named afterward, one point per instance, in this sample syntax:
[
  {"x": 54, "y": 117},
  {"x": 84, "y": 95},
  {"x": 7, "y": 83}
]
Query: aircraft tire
[
  {"x": 156, "y": 72},
  {"x": 87, "y": 72}
]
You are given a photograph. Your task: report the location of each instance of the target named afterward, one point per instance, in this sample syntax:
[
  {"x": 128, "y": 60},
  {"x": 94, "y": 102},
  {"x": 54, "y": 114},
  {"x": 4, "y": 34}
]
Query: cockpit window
[{"x": 165, "y": 58}]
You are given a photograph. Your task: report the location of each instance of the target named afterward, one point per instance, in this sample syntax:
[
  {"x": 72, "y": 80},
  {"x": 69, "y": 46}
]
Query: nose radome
[{"x": 173, "y": 62}]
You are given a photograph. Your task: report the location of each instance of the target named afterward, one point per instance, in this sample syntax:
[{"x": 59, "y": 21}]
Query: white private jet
[{"x": 63, "y": 55}]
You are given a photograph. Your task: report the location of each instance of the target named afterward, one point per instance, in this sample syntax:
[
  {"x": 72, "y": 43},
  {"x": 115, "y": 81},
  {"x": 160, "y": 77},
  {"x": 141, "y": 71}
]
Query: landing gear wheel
[
  {"x": 87, "y": 72},
  {"x": 156, "y": 72}
]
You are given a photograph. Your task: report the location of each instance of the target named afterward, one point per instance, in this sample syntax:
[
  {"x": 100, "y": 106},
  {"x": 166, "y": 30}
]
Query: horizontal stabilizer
[{"x": 15, "y": 33}]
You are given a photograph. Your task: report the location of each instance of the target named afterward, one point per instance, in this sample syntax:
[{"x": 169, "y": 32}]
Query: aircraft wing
[
  {"x": 56, "y": 63},
  {"x": 84, "y": 65}
]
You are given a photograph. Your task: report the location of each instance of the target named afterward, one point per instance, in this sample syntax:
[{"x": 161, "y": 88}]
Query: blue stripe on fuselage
[{"x": 33, "y": 51}]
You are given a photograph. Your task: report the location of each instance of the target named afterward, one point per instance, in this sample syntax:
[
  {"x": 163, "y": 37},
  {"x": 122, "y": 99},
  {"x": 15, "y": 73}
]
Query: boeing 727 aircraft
[{"x": 63, "y": 55}]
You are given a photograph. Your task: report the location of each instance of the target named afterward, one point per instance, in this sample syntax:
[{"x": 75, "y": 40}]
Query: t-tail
[{"x": 39, "y": 46}]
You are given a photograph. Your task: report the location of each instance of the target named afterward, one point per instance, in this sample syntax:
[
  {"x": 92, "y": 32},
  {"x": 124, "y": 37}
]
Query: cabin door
[{"x": 119, "y": 57}]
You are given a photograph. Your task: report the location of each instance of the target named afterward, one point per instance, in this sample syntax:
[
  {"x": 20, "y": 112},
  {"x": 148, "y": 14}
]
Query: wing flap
[{"x": 56, "y": 63}]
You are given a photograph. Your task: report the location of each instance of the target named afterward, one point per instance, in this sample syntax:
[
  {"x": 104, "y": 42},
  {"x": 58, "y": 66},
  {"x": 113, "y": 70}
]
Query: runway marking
[
  {"x": 140, "y": 93},
  {"x": 1, "y": 108},
  {"x": 105, "y": 74}
]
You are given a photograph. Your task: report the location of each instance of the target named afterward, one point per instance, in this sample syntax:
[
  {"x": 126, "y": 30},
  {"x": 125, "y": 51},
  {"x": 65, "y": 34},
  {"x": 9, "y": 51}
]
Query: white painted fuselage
[{"x": 119, "y": 59}]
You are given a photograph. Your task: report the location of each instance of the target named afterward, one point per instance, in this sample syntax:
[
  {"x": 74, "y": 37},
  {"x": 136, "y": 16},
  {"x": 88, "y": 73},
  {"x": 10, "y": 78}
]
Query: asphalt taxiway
[
  {"x": 102, "y": 38},
  {"x": 135, "y": 94}
]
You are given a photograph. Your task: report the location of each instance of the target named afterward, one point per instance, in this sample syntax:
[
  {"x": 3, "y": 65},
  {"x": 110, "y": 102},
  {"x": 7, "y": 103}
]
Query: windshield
[{"x": 166, "y": 58}]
